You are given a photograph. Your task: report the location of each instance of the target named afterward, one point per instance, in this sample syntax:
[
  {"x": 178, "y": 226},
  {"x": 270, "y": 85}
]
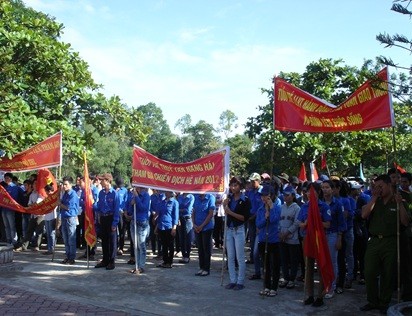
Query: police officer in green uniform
[{"x": 380, "y": 257}]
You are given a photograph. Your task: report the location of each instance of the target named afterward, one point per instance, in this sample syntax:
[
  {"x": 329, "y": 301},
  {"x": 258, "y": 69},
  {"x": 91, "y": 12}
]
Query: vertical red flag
[
  {"x": 302, "y": 173},
  {"x": 399, "y": 168},
  {"x": 323, "y": 162},
  {"x": 45, "y": 177},
  {"x": 89, "y": 228},
  {"x": 315, "y": 245}
]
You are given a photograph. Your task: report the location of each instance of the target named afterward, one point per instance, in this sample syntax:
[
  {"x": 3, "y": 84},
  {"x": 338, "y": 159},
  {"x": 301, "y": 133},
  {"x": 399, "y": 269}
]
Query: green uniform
[{"x": 380, "y": 257}]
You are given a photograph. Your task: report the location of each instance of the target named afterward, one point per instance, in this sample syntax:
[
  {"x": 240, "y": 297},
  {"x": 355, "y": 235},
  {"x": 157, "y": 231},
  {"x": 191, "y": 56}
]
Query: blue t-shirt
[
  {"x": 268, "y": 229},
  {"x": 168, "y": 214},
  {"x": 324, "y": 214},
  {"x": 109, "y": 204},
  {"x": 338, "y": 222},
  {"x": 186, "y": 202},
  {"x": 255, "y": 199},
  {"x": 71, "y": 200},
  {"x": 142, "y": 202},
  {"x": 201, "y": 209},
  {"x": 122, "y": 194}
]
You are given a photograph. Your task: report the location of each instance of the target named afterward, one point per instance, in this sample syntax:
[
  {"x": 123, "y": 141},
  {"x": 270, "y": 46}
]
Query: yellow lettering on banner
[
  {"x": 161, "y": 177},
  {"x": 178, "y": 180},
  {"x": 282, "y": 95},
  {"x": 140, "y": 173},
  {"x": 350, "y": 102},
  {"x": 165, "y": 167},
  {"x": 364, "y": 95},
  {"x": 327, "y": 122},
  {"x": 209, "y": 166},
  {"x": 381, "y": 90},
  {"x": 354, "y": 119},
  {"x": 189, "y": 180},
  {"x": 312, "y": 121},
  {"x": 145, "y": 161},
  {"x": 194, "y": 168},
  {"x": 150, "y": 175},
  {"x": 339, "y": 122},
  {"x": 179, "y": 169},
  {"x": 199, "y": 180}
]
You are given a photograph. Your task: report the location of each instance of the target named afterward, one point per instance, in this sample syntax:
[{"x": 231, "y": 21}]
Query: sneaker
[
  {"x": 71, "y": 261},
  {"x": 239, "y": 287},
  {"x": 230, "y": 286},
  {"x": 65, "y": 261},
  {"x": 283, "y": 283},
  {"x": 272, "y": 293},
  {"x": 264, "y": 292},
  {"x": 120, "y": 252},
  {"x": 204, "y": 273},
  {"x": 318, "y": 302},
  {"x": 184, "y": 260},
  {"x": 290, "y": 285},
  {"x": 198, "y": 273},
  {"x": 329, "y": 295}
]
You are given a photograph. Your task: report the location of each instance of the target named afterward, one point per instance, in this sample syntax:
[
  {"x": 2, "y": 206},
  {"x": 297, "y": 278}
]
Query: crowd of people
[{"x": 267, "y": 213}]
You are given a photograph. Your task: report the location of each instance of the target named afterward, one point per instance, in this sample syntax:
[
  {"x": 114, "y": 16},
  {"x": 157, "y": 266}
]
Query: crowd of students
[{"x": 267, "y": 213}]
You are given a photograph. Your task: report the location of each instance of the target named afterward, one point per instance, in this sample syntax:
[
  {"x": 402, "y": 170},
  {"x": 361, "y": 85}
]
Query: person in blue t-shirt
[
  {"x": 202, "y": 217},
  {"x": 310, "y": 262},
  {"x": 156, "y": 199},
  {"x": 108, "y": 213},
  {"x": 8, "y": 215},
  {"x": 167, "y": 220},
  {"x": 267, "y": 222},
  {"x": 122, "y": 193},
  {"x": 69, "y": 206},
  {"x": 185, "y": 228}
]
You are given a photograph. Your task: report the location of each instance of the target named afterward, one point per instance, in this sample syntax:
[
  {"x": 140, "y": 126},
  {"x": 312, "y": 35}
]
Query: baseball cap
[
  {"x": 289, "y": 190},
  {"x": 254, "y": 176},
  {"x": 355, "y": 185},
  {"x": 265, "y": 176}
]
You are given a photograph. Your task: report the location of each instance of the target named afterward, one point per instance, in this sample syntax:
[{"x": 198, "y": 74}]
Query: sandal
[
  {"x": 133, "y": 271},
  {"x": 264, "y": 292},
  {"x": 272, "y": 293}
]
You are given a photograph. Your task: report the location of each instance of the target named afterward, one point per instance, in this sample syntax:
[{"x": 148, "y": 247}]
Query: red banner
[
  {"x": 46, "y": 154},
  {"x": 369, "y": 107},
  {"x": 45, "y": 177},
  {"x": 89, "y": 228},
  {"x": 44, "y": 207},
  {"x": 207, "y": 174}
]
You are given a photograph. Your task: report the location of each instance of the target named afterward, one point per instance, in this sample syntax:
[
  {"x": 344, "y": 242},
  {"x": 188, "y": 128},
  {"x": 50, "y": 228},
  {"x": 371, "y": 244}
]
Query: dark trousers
[
  {"x": 290, "y": 260},
  {"x": 36, "y": 225},
  {"x": 340, "y": 280},
  {"x": 204, "y": 247},
  {"x": 252, "y": 237},
  {"x": 154, "y": 238},
  {"x": 80, "y": 241},
  {"x": 109, "y": 239},
  {"x": 167, "y": 245},
  {"x": 218, "y": 231},
  {"x": 185, "y": 230},
  {"x": 359, "y": 250},
  {"x": 271, "y": 264},
  {"x": 122, "y": 229}
]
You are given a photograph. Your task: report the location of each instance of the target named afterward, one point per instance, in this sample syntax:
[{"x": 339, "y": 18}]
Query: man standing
[
  {"x": 380, "y": 257},
  {"x": 9, "y": 214},
  {"x": 108, "y": 212},
  {"x": 69, "y": 205}
]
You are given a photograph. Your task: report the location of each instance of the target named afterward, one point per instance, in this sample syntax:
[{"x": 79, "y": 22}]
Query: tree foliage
[{"x": 45, "y": 87}]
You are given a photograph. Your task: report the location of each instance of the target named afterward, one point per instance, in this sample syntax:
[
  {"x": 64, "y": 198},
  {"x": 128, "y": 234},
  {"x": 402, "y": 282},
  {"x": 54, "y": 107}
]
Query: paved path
[{"x": 34, "y": 285}]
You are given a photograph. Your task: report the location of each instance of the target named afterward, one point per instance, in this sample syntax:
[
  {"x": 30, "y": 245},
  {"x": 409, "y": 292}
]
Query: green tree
[
  {"x": 227, "y": 122},
  {"x": 46, "y": 87}
]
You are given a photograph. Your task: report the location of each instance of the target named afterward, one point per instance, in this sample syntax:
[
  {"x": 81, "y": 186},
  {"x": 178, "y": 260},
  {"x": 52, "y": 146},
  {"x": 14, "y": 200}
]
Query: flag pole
[
  {"x": 398, "y": 257},
  {"x": 224, "y": 249},
  {"x": 135, "y": 240}
]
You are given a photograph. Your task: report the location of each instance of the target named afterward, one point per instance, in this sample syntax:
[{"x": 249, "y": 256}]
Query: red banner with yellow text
[
  {"x": 44, "y": 207},
  {"x": 369, "y": 107},
  {"x": 46, "y": 154},
  {"x": 207, "y": 174}
]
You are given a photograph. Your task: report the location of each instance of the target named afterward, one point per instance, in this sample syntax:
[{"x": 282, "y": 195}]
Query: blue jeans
[
  {"x": 235, "y": 246},
  {"x": 185, "y": 231},
  {"x": 10, "y": 226},
  {"x": 69, "y": 236},
  {"x": 349, "y": 239},
  {"x": 332, "y": 238},
  {"x": 51, "y": 234},
  {"x": 25, "y": 224},
  {"x": 142, "y": 232}
]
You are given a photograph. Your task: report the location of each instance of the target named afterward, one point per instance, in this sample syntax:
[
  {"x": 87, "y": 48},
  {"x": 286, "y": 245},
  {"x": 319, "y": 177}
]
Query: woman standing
[
  {"x": 237, "y": 209},
  {"x": 267, "y": 222},
  {"x": 203, "y": 224}
]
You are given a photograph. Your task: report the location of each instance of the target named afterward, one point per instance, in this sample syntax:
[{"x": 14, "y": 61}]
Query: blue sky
[{"x": 204, "y": 57}]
